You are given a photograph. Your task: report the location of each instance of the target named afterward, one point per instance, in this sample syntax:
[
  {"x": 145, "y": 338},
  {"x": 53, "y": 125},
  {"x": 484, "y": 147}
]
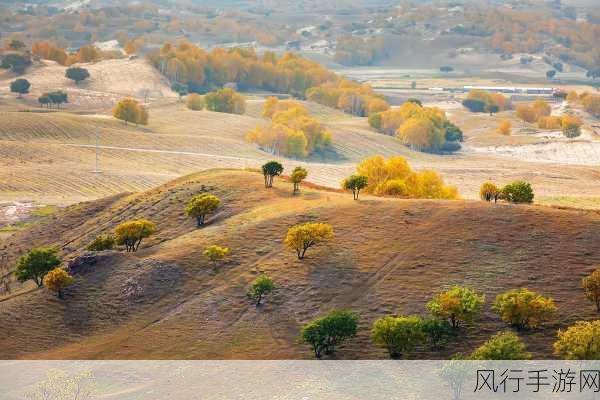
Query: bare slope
[
  {"x": 109, "y": 81},
  {"x": 50, "y": 157},
  {"x": 389, "y": 256}
]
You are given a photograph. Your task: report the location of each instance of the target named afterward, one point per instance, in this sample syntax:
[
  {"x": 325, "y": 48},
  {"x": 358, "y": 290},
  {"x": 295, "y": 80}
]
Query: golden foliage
[
  {"x": 129, "y": 110},
  {"x": 304, "y": 236},
  {"x": 194, "y": 102},
  {"x": 131, "y": 233},
  {"x": 579, "y": 341},
  {"x": 524, "y": 308},
  {"x": 591, "y": 286},
  {"x": 505, "y": 127},
  {"x": 489, "y": 192},
  {"x": 293, "y": 132},
  {"x": 57, "y": 280},
  {"x": 395, "y": 177},
  {"x": 550, "y": 122},
  {"x": 216, "y": 253}
]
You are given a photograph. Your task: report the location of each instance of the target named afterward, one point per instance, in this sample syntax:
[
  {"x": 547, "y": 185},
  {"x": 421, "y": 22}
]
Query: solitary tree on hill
[
  {"x": 271, "y": 170},
  {"x": 131, "y": 233},
  {"x": 202, "y": 205},
  {"x": 356, "y": 183},
  {"x": 58, "y": 280},
  {"x": 77, "y": 74},
  {"x": 304, "y": 236},
  {"x": 216, "y": 254},
  {"x": 298, "y": 175},
  {"x": 129, "y": 110},
  {"x": 20, "y": 86},
  {"x": 261, "y": 286},
  {"x": 36, "y": 264}
]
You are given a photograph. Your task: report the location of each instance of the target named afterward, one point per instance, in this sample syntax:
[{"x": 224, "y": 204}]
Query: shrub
[
  {"x": 131, "y": 233},
  {"x": 571, "y": 126},
  {"x": 591, "y": 286},
  {"x": 36, "y": 264},
  {"x": 399, "y": 335},
  {"x": 58, "y": 280},
  {"x": 502, "y": 346},
  {"x": 550, "y": 122},
  {"x": 271, "y": 170},
  {"x": 579, "y": 341},
  {"x": 298, "y": 175},
  {"x": 437, "y": 331},
  {"x": 356, "y": 183},
  {"x": 129, "y": 110},
  {"x": 474, "y": 105},
  {"x": 201, "y": 205},
  {"x": 261, "y": 286},
  {"x": 523, "y": 308},
  {"x": 518, "y": 192},
  {"x": 505, "y": 127},
  {"x": 329, "y": 331},
  {"x": 102, "y": 242},
  {"x": 526, "y": 113},
  {"x": 458, "y": 305},
  {"x": 77, "y": 74},
  {"x": 489, "y": 192},
  {"x": 304, "y": 236},
  {"x": 195, "y": 102},
  {"x": 215, "y": 254},
  {"x": 226, "y": 101}
]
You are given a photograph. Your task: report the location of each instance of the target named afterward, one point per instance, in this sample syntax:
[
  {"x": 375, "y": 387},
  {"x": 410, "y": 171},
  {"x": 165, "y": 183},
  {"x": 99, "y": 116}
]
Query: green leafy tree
[
  {"x": 36, "y": 264},
  {"x": 356, "y": 183},
  {"x": 523, "y": 308},
  {"x": 262, "y": 286},
  {"x": 591, "y": 286},
  {"x": 102, "y": 242},
  {"x": 304, "y": 236},
  {"x": 20, "y": 86},
  {"x": 77, "y": 74},
  {"x": 225, "y": 100},
  {"x": 502, "y": 346},
  {"x": 216, "y": 254},
  {"x": 298, "y": 175},
  {"x": 16, "y": 62},
  {"x": 271, "y": 170},
  {"x": 131, "y": 233},
  {"x": 58, "y": 280},
  {"x": 518, "y": 192},
  {"x": 399, "y": 335},
  {"x": 579, "y": 341},
  {"x": 324, "y": 334},
  {"x": 202, "y": 205},
  {"x": 458, "y": 305},
  {"x": 437, "y": 331}
]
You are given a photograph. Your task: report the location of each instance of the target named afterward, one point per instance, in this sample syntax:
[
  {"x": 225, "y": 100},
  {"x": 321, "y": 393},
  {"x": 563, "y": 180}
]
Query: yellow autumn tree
[
  {"x": 304, "y": 236},
  {"x": 505, "y": 127},
  {"x": 129, "y": 110},
  {"x": 57, "y": 280}
]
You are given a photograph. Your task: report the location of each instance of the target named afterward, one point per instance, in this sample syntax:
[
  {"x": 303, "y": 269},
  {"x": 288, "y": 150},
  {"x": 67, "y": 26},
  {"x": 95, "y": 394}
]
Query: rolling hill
[{"x": 389, "y": 256}]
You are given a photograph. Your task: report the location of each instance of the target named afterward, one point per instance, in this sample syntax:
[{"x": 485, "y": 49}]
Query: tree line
[
  {"x": 421, "y": 128},
  {"x": 293, "y": 132}
]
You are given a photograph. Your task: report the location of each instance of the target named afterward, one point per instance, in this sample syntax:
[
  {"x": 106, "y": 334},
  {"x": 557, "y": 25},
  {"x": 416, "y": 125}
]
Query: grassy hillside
[
  {"x": 109, "y": 81},
  {"x": 388, "y": 257}
]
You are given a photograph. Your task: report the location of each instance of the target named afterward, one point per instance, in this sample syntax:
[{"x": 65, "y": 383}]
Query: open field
[
  {"x": 109, "y": 82},
  {"x": 49, "y": 157},
  {"x": 403, "y": 253}
]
